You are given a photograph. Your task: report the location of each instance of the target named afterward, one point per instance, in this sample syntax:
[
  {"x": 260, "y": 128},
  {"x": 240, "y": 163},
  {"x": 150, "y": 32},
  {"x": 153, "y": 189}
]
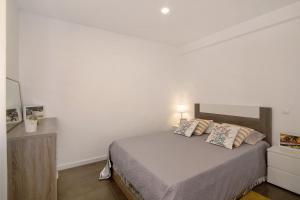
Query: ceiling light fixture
[{"x": 165, "y": 10}]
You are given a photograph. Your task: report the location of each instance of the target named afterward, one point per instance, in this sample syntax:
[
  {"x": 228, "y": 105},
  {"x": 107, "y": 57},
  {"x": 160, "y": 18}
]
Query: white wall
[
  {"x": 12, "y": 69},
  {"x": 260, "y": 67},
  {"x": 3, "y": 162},
  {"x": 101, "y": 85}
]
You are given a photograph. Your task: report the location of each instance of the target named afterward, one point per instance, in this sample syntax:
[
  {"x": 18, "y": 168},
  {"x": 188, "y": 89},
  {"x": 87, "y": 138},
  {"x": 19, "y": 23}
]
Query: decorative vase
[{"x": 30, "y": 125}]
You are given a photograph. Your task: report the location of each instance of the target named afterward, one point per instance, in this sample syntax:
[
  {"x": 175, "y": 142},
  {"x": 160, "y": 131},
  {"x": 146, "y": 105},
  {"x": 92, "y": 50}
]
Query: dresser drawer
[
  {"x": 284, "y": 179},
  {"x": 285, "y": 163}
]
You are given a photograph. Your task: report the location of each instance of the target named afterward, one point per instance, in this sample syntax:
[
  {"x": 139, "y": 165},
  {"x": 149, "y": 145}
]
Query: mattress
[{"x": 167, "y": 166}]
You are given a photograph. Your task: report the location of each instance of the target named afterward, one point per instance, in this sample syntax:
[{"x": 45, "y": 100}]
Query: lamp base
[{"x": 182, "y": 120}]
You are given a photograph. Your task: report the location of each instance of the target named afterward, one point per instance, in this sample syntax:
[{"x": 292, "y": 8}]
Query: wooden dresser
[{"x": 32, "y": 162}]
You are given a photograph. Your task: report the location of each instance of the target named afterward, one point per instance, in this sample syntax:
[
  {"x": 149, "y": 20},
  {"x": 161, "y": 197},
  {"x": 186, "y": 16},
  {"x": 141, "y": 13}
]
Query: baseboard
[{"x": 80, "y": 162}]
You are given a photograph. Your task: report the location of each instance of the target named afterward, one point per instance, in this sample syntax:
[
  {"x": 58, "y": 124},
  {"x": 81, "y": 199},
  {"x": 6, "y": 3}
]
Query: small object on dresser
[
  {"x": 31, "y": 124},
  {"x": 37, "y": 111},
  {"x": 290, "y": 141},
  {"x": 13, "y": 115},
  {"x": 284, "y": 168}
]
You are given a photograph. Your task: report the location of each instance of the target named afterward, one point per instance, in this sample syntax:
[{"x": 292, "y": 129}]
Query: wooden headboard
[{"x": 262, "y": 124}]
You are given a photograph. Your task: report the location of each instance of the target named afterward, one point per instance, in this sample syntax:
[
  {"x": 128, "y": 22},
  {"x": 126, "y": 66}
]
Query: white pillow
[
  {"x": 223, "y": 135},
  {"x": 254, "y": 138},
  {"x": 187, "y": 128}
]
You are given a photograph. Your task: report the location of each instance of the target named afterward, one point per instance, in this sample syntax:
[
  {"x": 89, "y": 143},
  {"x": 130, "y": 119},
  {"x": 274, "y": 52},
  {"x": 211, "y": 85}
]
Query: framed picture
[
  {"x": 13, "y": 115},
  {"x": 37, "y": 111},
  {"x": 290, "y": 141}
]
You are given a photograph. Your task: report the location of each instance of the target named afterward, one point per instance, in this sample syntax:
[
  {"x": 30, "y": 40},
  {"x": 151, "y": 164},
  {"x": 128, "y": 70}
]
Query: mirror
[{"x": 13, "y": 104}]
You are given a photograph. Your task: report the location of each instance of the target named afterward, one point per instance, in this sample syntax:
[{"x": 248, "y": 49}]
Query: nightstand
[{"x": 284, "y": 168}]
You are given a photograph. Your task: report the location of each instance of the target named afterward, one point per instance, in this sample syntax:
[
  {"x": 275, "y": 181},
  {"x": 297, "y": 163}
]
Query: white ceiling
[{"x": 188, "y": 21}]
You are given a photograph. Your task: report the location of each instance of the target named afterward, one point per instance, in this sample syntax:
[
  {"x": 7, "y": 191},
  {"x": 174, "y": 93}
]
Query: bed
[{"x": 166, "y": 166}]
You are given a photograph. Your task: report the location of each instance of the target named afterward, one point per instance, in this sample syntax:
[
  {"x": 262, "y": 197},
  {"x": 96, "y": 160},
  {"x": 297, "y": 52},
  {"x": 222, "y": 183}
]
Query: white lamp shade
[{"x": 181, "y": 108}]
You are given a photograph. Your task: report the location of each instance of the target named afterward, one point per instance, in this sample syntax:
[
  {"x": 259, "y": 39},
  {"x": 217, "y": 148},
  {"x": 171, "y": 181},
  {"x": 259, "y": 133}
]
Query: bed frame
[
  {"x": 262, "y": 124},
  {"x": 124, "y": 188}
]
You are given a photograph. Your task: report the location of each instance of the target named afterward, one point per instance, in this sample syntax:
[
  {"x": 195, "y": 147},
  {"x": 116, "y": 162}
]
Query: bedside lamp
[{"x": 181, "y": 109}]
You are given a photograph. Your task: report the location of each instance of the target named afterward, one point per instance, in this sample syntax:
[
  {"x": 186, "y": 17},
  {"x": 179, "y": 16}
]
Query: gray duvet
[{"x": 167, "y": 166}]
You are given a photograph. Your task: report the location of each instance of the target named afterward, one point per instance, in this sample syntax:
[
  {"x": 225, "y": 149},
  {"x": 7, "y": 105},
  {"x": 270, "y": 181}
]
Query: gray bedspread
[{"x": 167, "y": 166}]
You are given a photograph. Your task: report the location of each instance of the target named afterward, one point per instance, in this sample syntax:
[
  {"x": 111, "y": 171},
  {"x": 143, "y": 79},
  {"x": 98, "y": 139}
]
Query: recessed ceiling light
[{"x": 165, "y": 10}]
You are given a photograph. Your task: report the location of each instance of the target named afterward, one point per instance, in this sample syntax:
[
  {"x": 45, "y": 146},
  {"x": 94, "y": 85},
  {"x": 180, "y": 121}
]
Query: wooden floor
[
  {"x": 81, "y": 184},
  {"x": 275, "y": 193}
]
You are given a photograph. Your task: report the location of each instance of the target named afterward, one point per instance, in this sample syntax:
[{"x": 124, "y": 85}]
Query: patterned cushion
[
  {"x": 243, "y": 133},
  {"x": 187, "y": 128},
  {"x": 223, "y": 135},
  {"x": 202, "y": 126}
]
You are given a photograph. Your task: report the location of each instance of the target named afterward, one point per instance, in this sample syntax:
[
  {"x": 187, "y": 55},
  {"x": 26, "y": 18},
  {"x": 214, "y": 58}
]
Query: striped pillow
[
  {"x": 202, "y": 126},
  {"x": 243, "y": 133}
]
